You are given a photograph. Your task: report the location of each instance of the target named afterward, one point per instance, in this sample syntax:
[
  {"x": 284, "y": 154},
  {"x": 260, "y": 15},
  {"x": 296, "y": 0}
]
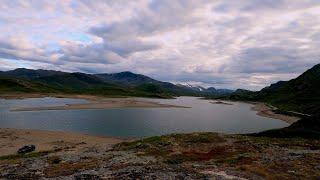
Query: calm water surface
[{"x": 137, "y": 122}]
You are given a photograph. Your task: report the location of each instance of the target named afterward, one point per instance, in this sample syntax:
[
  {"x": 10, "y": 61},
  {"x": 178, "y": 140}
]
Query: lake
[{"x": 137, "y": 122}]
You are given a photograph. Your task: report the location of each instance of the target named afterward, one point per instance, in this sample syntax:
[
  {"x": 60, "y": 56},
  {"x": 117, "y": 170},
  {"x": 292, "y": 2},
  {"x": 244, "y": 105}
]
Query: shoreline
[
  {"x": 12, "y": 139},
  {"x": 263, "y": 110},
  {"x": 266, "y": 111}
]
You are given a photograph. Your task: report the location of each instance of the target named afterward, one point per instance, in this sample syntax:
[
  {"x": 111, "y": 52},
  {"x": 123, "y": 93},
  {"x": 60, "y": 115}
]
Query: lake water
[{"x": 137, "y": 122}]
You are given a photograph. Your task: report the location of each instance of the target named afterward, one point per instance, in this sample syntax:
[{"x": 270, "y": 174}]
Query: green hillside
[
  {"x": 11, "y": 85},
  {"x": 301, "y": 94},
  {"x": 114, "y": 84},
  {"x": 75, "y": 83}
]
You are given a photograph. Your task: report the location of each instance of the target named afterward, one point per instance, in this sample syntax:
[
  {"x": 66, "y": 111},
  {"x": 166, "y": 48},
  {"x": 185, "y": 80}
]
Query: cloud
[
  {"x": 231, "y": 44},
  {"x": 21, "y": 48}
]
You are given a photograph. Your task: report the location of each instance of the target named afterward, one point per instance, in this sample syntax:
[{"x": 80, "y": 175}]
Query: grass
[
  {"x": 205, "y": 137},
  {"x": 28, "y": 155},
  {"x": 169, "y": 140},
  {"x": 56, "y": 169},
  {"x": 164, "y": 146}
]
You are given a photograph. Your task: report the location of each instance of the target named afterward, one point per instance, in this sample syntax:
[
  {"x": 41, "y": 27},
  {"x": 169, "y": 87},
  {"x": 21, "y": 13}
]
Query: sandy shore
[
  {"x": 13, "y": 139},
  {"x": 266, "y": 111}
]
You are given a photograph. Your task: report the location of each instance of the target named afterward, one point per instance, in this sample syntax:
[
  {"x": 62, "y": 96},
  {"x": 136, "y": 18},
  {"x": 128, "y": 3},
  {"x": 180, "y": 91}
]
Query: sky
[{"x": 221, "y": 43}]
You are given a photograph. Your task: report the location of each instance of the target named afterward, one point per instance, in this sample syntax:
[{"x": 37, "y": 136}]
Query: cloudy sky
[{"x": 221, "y": 43}]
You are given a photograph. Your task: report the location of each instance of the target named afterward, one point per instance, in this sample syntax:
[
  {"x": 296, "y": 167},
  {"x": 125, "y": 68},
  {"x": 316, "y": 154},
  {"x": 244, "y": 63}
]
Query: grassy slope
[
  {"x": 176, "y": 156},
  {"x": 74, "y": 84},
  {"x": 12, "y": 85},
  {"x": 119, "y": 84},
  {"x": 301, "y": 94},
  {"x": 307, "y": 127},
  {"x": 246, "y": 156}
]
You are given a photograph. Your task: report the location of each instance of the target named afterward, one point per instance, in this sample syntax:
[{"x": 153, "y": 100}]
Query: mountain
[
  {"x": 123, "y": 83},
  {"x": 128, "y": 78},
  {"x": 147, "y": 83},
  {"x": 191, "y": 87},
  {"x": 211, "y": 91},
  {"x": 301, "y": 94},
  {"x": 30, "y": 73},
  {"x": 46, "y": 81},
  {"x": 217, "y": 92}
]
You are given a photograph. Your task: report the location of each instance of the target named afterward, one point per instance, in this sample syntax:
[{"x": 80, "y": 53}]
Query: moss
[
  {"x": 206, "y": 137},
  {"x": 28, "y": 155},
  {"x": 158, "y": 141},
  {"x": 176, "y": 159},
  {"x": 260, "y": 171},
  {"x": 68, "y": 168},
  {"x": 54, "y": 160}
]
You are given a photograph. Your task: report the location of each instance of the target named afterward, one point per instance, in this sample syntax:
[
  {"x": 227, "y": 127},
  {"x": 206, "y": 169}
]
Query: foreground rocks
[
  {"x": 27, "y": 149},
  {"x": 307, "y": 127},
  {"x": 178, "y": 156}
]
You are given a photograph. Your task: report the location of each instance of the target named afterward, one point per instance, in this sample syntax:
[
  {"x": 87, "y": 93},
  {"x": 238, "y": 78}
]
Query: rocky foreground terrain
[{"x": 177, "y": 156}]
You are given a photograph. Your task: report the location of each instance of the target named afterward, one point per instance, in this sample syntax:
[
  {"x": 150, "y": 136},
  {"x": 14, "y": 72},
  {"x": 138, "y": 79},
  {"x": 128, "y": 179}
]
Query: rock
[
  {"x": 86, "y": 177},
  {"x": 27, "y": 149}
]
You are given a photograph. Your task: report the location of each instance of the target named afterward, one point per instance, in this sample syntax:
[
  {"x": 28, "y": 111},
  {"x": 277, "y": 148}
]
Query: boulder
[{"x": 27, "y": 149}]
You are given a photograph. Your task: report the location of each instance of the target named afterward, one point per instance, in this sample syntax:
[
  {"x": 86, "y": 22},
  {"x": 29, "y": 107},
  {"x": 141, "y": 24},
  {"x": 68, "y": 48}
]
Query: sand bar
[
  {"x": 104, "y": 104},
  {"x": 39, "y": 95},
  {"x": 95, "y": 102}
]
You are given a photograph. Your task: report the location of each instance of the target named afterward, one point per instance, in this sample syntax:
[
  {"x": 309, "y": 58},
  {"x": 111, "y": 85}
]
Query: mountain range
[
  {"x": 301, "y": 94},
  {"x": 122, "y": 84}
]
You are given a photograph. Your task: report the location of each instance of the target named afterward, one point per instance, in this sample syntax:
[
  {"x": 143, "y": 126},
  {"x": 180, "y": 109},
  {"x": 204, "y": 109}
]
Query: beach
[
  {"x": 266, "y": 111},
  {"x": 13, "y": 139}
]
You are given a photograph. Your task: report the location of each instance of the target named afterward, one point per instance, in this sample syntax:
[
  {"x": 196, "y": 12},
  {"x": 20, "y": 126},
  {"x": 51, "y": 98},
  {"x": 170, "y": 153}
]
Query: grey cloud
[
  {"x": 219, "y": 43},
  {"x": 19, "y": 48},
  {"x": 125, "y": 37},
  {"x": 272, "y": 60},
  {"x": 95, "y": 53}
]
